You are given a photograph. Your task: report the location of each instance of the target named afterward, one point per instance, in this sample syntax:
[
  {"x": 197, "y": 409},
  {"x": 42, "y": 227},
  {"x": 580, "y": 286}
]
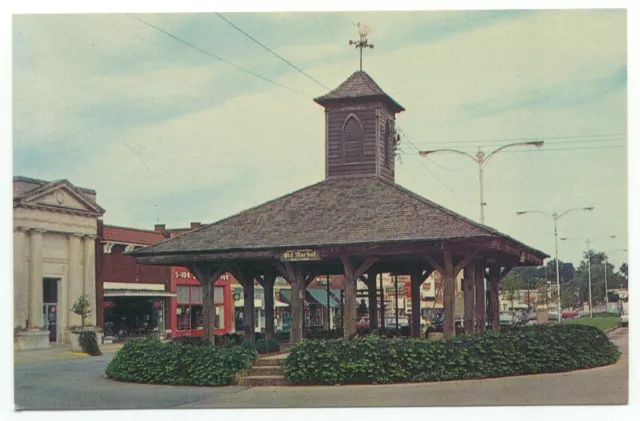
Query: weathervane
[{"x": 363, "y": 30}]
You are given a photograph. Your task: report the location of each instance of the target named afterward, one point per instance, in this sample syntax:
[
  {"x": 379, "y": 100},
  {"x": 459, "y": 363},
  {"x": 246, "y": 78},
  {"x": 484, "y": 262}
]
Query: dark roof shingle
[
  {"x": 358, "y": 85},
  {"x": 331, "y": 212}
]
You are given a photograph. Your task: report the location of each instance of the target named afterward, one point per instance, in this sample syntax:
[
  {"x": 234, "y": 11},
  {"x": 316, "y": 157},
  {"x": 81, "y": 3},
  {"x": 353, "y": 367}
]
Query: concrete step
[
  {"x": 266, "y": 370},
  {"x": 263, "y": 381},
  {"x": 269, "y": 361}
]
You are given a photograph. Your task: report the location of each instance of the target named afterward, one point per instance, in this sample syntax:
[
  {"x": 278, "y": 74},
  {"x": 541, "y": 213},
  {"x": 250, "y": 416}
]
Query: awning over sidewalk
[{"x": 312, "y": 296}]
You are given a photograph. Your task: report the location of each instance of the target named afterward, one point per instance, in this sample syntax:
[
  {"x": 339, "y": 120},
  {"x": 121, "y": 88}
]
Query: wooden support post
[
  {"x": 246, "y": 278},
  {"x": 416, "y": 281},
  {"x": 268, "y": 281},
  {"x": 351, "y": 274},
  {"x": 494, "y": 295},
  {"x": 373, "y": 300},
  {"x": 293, "y": 273},
  {"x": 481, "y": 301},
  {"x": 449, "y": 279},
  {"x": 207, "y": 275},
  {"x": 469, "y": 297}
]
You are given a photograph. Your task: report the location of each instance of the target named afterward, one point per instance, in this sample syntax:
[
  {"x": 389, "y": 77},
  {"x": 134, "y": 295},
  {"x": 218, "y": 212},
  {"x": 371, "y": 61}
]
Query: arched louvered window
[
  {"x": 353, "y": 141},
  {"x": 388, "y": 145}
]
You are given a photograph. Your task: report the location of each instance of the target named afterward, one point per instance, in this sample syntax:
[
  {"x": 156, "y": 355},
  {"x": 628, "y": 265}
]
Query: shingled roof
[
  {"x": 332, "y": 212},
  {"x": 358, "y": 85}
]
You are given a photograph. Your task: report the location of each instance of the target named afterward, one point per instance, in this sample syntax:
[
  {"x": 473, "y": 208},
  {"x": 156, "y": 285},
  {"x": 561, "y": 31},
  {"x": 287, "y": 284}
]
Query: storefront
[
  {"x": 187, "y": 305},
  {"x": 134, "y": 313}
]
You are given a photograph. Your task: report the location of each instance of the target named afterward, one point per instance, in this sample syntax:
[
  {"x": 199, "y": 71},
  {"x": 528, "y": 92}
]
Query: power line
[
  {"x": 547, "y": 142},
  {"x": 212, "y": 55},
  {"x": 272, "y": 52},
  {"x": 545, "y": 138}
]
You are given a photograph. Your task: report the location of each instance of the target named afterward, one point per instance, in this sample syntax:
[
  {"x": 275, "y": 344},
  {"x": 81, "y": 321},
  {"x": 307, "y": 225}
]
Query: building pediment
[{"x": 60, "y": 196}]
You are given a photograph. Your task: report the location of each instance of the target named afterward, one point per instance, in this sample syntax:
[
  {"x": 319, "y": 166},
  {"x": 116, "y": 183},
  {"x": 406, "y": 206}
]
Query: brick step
[
  {"x": 266, "y": 370},
  {"x": 268, "y": 361},
  {"x": 262, "y": 381}
]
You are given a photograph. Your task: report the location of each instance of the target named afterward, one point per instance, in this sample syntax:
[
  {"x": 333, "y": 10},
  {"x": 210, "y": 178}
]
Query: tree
[
  {"x": 543, "y": 293},
  {"x": 82, "y": 307},
  {"x": 510, "y": 285}
]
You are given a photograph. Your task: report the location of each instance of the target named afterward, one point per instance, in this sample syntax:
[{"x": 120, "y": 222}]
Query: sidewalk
[{"x": 57, "y": 352}]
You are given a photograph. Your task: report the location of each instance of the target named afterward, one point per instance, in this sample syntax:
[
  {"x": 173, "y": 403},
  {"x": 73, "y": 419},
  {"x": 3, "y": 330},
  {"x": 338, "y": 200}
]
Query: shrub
[
  {"x": 177, "y": 363},
  {"x": 283, "y": 336},
  {"x": 89, "y": 343},
  {"x": 528, "y": 350},
  {"x": 266, "y": 346},
  {"x": 191, "y": 341}
]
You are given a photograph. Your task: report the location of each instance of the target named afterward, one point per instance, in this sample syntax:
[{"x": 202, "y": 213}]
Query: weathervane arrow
[{"x": 363, "y": 30}]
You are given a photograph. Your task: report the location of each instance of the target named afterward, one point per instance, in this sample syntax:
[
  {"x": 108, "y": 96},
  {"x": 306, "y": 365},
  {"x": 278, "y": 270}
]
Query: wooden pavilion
[{"x": 357, "y": 222}]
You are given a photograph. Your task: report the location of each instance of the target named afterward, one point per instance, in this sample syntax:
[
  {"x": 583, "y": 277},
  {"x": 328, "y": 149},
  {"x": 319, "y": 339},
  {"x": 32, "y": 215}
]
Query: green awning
[{"x": 320, "y": 295}]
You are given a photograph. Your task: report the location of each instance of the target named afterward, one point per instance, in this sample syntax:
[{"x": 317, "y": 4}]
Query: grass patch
[{"x": 602, "y": 323}]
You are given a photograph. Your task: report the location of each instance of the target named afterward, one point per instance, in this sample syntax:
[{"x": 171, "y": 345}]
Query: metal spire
[{"x": 363, "y": 30}]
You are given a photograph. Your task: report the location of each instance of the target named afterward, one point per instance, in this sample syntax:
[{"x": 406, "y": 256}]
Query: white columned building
[{"x": 55, "y": 225}]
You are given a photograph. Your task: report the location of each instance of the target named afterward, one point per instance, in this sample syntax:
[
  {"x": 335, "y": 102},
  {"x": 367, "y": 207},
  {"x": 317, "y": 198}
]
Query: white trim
[
  {"x": 132, "y": 286},
  {"x": 129, "y": 293},
  {"x": 256, "y": 303}
]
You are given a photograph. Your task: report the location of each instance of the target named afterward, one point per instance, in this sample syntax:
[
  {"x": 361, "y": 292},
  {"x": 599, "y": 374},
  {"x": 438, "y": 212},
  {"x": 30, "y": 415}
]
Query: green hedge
[
  {"x": 178, "y": 364},
  {"x": 529, "y": 350}
]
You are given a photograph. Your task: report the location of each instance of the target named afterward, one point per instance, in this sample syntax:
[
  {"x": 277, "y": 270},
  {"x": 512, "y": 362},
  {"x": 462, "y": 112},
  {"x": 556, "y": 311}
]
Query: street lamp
[
  {"x": 589, "y": 241},
  {"x": 555, "y": 216},
  {"x": 480, "y": 158}
]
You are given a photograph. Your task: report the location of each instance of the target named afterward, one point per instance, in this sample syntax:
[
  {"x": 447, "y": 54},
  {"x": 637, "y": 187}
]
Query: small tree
[{"x": 82, "y": 307}]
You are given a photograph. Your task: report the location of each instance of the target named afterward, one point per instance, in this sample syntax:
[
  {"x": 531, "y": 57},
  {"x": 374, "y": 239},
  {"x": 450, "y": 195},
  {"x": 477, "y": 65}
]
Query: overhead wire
[
  {"x": 272, "y": 52},
  {"x": 212, "y": 55}
]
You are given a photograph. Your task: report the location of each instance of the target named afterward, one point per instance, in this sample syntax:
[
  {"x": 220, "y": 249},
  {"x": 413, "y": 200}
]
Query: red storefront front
[{"x": 187, "y": 308}]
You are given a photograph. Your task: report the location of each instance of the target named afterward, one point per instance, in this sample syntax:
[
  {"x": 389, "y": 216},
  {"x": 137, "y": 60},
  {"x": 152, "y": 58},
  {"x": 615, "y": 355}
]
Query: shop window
[
  {"x": 190, "y": 313},
  {"x": 219, "y": 323}
]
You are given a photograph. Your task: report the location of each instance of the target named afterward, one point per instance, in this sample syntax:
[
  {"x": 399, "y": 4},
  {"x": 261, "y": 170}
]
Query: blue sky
[{"x": 167, "y": 134}]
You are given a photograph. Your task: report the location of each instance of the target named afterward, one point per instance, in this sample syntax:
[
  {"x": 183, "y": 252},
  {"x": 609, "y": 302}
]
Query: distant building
[
  {"x": 133, "y": 299},
  {"x": 54, "y": 232}
]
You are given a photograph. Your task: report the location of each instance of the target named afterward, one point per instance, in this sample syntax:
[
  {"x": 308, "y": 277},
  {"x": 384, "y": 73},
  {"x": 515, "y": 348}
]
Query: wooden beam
[
  {"x": 268, "y": 281},
  {"x": 373, "y": 299},
  {"x": 449, "y": 280},
  {"x": 416, "y": 281},
  {"x": 434, "y": 263},
  {"x": 505, "y": 271},
  {"x": 464, "y": 262},
  {"x": 246, "y": 277},
  {"x": 494, "y": 296},
  {"x": 481, "y": 297},
  {"x": 468, "y": 292},
  {"x": 364, "y": 267}
]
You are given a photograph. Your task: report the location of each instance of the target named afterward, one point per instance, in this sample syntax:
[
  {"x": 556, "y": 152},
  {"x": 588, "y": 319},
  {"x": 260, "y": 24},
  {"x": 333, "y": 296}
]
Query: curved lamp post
[
  {"x": 589, "y": 241},
  {"x": 555, "y": 216},
  {"x": 480, "y": 158}
]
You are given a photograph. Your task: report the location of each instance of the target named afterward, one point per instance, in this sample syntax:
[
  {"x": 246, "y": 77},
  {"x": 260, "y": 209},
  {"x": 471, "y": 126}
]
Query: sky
[{"x": 168, "y": 134}]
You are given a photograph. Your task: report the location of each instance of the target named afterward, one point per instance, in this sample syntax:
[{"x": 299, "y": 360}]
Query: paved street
[{"x": 78, "y": 383}]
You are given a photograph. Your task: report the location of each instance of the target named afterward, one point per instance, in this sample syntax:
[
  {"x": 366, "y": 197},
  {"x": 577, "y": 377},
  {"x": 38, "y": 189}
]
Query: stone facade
[{"x": 54, "y": 234}]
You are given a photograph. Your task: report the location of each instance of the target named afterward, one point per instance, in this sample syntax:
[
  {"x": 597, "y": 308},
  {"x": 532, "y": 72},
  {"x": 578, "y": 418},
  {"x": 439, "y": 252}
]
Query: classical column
[
  {"x": 494, "y": 295},
  {"x": 373, "y": 300},
  {"x": 89, "y": 276},
  {"x": 481, "y": 296},
  {"x": 20, "y": 278},
  {"x": 74, "y": 285},
  {"x": 469, "y": 299},
  {"x": 35, "y": 277},
  {"x": 267, "y": 284},
  {"x": 416, "y": 281}
]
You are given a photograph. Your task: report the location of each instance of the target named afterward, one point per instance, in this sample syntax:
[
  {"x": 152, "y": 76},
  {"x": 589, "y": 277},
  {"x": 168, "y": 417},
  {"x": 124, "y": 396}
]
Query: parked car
[
  {"x": 508, "y": 318},
  {"x": 570, "y": 314},
  {"x": 531, "y": 316},
  {"x": 624, "y": 319},
  {"x": 553, "y": 316}
]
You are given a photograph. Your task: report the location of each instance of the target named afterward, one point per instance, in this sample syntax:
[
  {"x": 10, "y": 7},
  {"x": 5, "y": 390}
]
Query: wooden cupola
[{"x": 360, "y": 130}]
